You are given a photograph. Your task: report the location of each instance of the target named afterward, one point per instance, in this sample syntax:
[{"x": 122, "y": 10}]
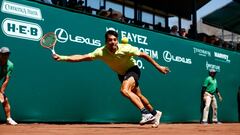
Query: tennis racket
[{"x": 49, "y": 41}]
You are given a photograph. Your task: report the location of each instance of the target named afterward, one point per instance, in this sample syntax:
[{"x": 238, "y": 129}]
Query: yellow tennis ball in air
[{"x": 125, "y": 40}]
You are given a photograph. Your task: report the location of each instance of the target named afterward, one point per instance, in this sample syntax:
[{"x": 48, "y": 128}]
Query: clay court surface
[{"x": 120, "y": 129}]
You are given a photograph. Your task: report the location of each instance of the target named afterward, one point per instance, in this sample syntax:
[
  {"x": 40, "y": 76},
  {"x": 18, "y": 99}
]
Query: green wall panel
[{"x": 43, "y": 90}]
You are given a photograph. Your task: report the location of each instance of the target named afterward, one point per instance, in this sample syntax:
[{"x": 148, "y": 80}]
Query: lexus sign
[{"x": 168, "y": 57}]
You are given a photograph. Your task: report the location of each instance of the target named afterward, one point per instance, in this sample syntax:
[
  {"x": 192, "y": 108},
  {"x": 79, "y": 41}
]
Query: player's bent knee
[{"x": 125, "y": 92}]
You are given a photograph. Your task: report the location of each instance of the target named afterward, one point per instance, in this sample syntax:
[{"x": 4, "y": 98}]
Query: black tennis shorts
[{"x": 134, "y": 72}]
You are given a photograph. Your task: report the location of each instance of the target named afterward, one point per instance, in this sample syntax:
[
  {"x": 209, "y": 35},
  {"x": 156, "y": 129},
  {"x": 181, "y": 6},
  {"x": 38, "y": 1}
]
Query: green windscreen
[{"x": 44, "y": 90}]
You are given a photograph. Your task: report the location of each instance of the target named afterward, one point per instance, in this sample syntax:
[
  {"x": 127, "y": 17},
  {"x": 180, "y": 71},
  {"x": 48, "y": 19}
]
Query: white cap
[
  {"x": 4, "y": 50},
  {"x": 212, "y": 71}
]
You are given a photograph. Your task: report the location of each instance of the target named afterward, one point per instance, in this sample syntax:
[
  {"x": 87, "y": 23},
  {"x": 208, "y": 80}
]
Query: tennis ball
[{"x": 125, "y": 40}]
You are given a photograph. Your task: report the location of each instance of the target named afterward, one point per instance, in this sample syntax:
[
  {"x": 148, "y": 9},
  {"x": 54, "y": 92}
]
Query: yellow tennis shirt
[{"x": 121, "y": 60}]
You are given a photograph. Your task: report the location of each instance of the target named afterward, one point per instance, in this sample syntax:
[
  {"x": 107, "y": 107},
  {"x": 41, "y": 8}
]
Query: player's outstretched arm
[
  {"x": 160, "y": 68},
  {"x": 72, "y": 58}
]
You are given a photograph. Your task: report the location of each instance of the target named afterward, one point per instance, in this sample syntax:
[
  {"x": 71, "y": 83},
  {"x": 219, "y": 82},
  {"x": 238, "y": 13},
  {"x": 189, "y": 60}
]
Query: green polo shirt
[
  {"x": 121, "y": 60},
  {"x": 6, "y": 70},
  {"x": 210, "y": 84}
]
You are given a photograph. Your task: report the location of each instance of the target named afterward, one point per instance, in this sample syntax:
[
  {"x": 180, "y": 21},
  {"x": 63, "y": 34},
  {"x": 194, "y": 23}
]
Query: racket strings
[{"x": 49, "y": 40}]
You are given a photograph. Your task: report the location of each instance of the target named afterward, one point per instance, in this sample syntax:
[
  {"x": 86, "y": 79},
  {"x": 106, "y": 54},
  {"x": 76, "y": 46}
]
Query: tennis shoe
[
  {"x": 10, "y": 121},
  {"x": 204, "y": 122},
  {"x": 217, "y": 122},
  {"x": 146, "y": 118},
  {"x": 156, "y": 121}
]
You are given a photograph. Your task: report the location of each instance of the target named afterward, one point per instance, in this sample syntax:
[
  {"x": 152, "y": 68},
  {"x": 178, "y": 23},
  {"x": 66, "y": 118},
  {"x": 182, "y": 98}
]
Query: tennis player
[
  {"x": 120, "y": 59},
  {"x": 6, "y": 67}
]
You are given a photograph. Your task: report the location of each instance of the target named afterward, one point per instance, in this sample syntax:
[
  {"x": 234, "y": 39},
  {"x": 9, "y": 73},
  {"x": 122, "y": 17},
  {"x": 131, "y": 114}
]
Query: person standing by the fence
[
  {"x": 6, "y": 68},
  {"x": 210, "y": 88}
]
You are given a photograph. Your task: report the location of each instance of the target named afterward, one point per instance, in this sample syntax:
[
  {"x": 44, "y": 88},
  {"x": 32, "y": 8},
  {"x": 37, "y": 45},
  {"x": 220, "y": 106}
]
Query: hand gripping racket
[{"x": 49, "y": 41}]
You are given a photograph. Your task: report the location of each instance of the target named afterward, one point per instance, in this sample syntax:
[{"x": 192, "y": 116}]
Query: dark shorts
[
  {"x": 4, "y": 96},
  {"x": 132, "y": 72}
]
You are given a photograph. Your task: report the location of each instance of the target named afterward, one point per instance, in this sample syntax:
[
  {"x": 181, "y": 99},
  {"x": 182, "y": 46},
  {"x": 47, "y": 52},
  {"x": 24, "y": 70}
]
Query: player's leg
[
  {"x": 7, "y": 110},
  {"x": 202, "y": 105},
  {"x": 147, "y": 104},
  {"x": 144, "y": 100},
  {"x": 214, "y": 108},
  {"x": 127, "y": 88},
  {"x": 1, "y": 97},
  {"x": 207, "y": 99}
]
